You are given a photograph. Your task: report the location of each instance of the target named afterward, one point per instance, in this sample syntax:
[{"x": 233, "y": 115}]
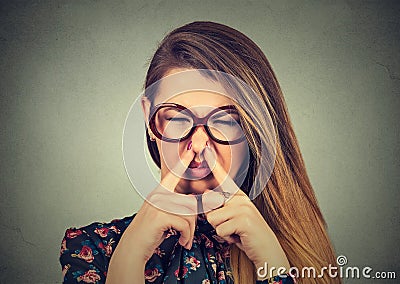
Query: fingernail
[{"x": 189, "y": 146}]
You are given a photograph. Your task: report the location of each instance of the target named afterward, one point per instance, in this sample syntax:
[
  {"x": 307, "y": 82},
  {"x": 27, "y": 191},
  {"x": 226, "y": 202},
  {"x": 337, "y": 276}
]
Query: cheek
[
  {"x": 238, "y": 156},
  {"x": 169, "y": 155}
]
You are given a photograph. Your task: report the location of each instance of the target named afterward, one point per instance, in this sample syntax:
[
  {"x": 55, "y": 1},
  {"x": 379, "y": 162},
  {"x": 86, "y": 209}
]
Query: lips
[
  {"x": 193, "y": 164},
  {"x": 197, "y": 170}
]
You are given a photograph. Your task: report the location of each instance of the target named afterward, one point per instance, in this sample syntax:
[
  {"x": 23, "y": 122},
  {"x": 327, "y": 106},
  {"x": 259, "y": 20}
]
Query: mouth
[
  {"x": 193, "y": 164},
  {"x": 197, "y": 170}
]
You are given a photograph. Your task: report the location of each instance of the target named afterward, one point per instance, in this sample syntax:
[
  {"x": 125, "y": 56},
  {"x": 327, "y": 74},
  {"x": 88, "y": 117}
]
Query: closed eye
[
  {"x": 226, "y": 122},
  {"x": 178, "y": 119},
  {"x": 229, "y": 122}
]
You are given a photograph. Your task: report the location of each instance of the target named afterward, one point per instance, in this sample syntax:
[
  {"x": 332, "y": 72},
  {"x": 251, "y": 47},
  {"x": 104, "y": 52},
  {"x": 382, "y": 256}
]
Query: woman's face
[{"x": 198, "y": 177}]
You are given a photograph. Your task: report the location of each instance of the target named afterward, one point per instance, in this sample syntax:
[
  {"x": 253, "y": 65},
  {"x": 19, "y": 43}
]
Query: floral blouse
[{"x": 85, "y": 255}]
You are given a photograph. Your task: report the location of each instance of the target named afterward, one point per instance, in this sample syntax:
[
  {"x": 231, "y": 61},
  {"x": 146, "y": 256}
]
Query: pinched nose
[{"x": 199, "y": 139}]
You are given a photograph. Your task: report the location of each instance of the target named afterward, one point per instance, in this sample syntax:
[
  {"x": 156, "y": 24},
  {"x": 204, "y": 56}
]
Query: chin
[{"x": 197, "y": 186}]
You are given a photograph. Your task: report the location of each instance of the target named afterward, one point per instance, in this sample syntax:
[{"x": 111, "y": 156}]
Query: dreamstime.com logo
[{"x": 348, "y": 272}]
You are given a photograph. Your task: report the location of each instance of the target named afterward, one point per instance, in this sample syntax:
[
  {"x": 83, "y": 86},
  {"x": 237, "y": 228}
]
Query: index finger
[
  {"x": 172, "y": 178},
  {"x": 226, "y": 183},
  {"x": 164, "y": 196},
  {"x": 173, "y": 202}
]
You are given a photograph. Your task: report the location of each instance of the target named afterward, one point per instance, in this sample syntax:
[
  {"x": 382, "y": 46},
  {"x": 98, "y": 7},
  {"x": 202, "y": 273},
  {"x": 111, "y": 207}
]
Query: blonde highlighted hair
[{"x": 287, "y": 203}]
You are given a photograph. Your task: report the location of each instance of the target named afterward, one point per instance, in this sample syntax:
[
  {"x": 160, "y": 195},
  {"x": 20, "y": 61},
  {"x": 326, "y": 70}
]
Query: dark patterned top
[{"x": 85, "y": 255}]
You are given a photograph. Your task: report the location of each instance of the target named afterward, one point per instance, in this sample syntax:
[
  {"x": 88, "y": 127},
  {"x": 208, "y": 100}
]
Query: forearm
[
  {"x": 274, "y": 262},
  {"x": 126, "y": 265},
  {"x": 276, "y": 265}
]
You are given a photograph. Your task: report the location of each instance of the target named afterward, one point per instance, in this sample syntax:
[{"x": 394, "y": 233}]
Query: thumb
[{"x": 212, "y": 200}]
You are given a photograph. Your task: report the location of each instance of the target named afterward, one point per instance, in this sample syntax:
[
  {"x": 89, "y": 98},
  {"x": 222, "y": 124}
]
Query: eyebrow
[
  {"x": 225, "y": 112},
  {"x": 172, "y": 108}
]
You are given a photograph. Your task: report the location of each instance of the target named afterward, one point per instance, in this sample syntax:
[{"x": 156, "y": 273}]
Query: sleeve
[
  {"x": 86, "y": 252},
  {"x": 80, "y": 259}
]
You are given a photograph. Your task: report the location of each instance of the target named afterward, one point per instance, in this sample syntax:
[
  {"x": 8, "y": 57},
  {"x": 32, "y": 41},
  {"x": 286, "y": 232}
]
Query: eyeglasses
[{"x": 172, "y": 122}]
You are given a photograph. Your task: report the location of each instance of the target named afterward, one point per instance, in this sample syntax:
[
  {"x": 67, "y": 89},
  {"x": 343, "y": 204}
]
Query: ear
[{"x": 146, "y": 109}]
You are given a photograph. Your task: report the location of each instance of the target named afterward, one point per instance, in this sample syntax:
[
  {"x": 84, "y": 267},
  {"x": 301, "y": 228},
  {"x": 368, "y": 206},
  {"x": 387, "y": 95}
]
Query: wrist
[
  {"x": 126, "y": 266},
  {"x": 130, "y": 247},
  {"x": 268, "y": 269},
  {"x": 273, "y": 262}
]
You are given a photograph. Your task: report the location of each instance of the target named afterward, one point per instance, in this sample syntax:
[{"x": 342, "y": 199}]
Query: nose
[{"x": 199, "y": 139}]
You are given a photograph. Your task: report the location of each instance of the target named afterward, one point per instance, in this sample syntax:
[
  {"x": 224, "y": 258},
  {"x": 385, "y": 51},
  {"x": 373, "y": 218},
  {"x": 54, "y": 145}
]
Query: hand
[
  {"x": 148, "y": 229},
  {"x": 238, "y": 221},
  {"x": 150, "y": 225}
]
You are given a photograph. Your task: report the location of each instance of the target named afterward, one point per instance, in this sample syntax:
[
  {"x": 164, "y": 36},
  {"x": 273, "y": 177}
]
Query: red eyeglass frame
[{"x": 196, "y": 122}]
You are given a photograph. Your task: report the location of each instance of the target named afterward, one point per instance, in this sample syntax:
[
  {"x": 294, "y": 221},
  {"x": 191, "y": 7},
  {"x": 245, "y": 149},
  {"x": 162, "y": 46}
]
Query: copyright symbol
[{"x": 341, "y": 260}]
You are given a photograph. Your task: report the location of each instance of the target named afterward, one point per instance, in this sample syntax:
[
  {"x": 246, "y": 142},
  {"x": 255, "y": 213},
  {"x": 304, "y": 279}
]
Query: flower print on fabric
[
  {"x": 63, "y": 246},
  {"x": 151, "y": 274},
  {"x": 72, "y": 233},
  {"x": 103, "y": 231},
  {"x": 106, "y": 246},
  {"x": 65, "y": 269},
  {"x": 89, "y": 276},
  {"x": 158, "y": 251},
  {"x": 85, "y": 254}
]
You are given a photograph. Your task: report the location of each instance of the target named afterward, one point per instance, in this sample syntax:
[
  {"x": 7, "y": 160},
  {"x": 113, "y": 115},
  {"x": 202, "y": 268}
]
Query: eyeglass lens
[{"x": 175, "y": 123}]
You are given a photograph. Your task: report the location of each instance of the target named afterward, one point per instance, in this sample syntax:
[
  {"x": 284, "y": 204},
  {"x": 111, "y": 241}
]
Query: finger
[
  {"x": 173, "y": 177},
  {"x": 211, "y": 200},
  {"x": 221, "y": 215},
  {"x": 173, "y": 202},
  {"x": 225, "y": 181},
  {"x": 181, "y": 225},
  {"x": 227, "y": 231},
  {"x": 192, "y": 227}
]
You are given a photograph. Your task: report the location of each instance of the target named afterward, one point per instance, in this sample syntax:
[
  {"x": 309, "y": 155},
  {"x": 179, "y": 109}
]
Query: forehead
[
  {"x": 200, "y": 102},
  {"x": 195, "y": 99},
  {"x": 191, "y": 89}
]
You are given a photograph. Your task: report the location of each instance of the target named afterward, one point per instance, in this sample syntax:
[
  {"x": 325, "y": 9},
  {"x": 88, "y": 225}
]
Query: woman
[{"x": 237, "y": 235}]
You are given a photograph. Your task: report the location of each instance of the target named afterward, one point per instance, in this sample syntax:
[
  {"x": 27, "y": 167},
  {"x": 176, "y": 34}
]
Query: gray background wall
[{"x": 71, "y": 69}]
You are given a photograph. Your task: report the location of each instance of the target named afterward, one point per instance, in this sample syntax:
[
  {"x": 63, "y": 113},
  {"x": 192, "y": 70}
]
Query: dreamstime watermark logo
[{"x": 331, "y": 271}]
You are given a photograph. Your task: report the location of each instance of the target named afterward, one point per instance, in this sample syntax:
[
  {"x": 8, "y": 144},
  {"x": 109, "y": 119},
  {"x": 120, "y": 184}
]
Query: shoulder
[{"x": 86, "y": 251}]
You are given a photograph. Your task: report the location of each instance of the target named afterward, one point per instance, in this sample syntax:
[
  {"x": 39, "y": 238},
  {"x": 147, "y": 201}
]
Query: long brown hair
[{"x": 288, "y": 203}]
